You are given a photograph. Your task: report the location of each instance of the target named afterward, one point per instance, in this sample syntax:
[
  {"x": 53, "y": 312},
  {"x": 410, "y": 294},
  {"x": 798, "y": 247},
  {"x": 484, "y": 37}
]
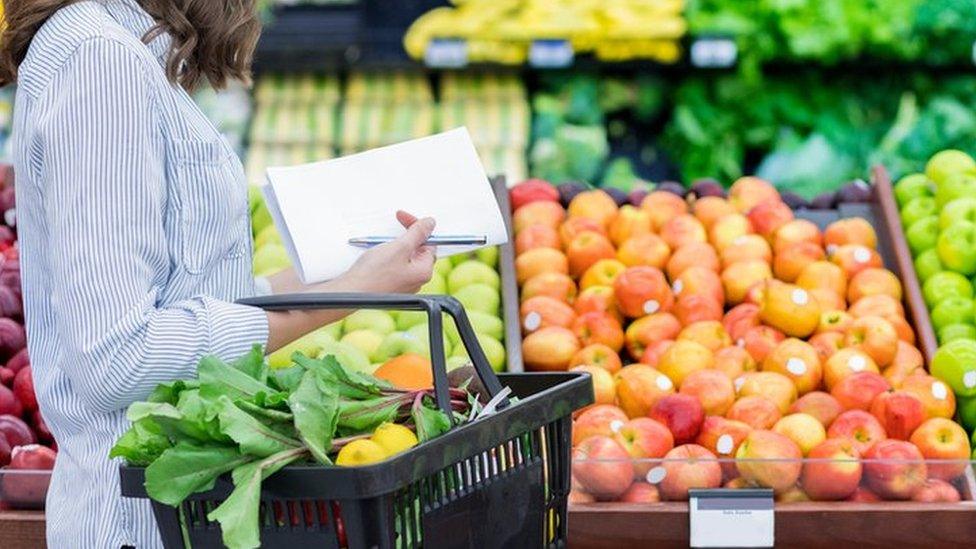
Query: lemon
[
  {"x": 361, "y": 452},
  {"x": 394, "y": 438}
]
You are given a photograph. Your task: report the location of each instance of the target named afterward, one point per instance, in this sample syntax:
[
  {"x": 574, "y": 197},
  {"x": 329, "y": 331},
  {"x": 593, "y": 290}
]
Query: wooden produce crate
[{"x": 22, "y": 530}]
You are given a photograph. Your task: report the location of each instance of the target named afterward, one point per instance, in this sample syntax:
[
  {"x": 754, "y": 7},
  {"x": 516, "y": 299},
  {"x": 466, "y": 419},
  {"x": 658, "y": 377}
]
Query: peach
[
  {"x": 653, "y": 353},
  {"x": 760, "y": 341},
  {"x": 662, "y": 206},
  {"x": 642, "y": 291},
  {"x": 875, "y": 336},
  {"x": 827, "y": 344},
  {"x": 937, "y": 398},
  {"x": 708, "y": 209},
  {"x": 595, "y": 204},
  {"x": 936, "y": 491},
  {"x": 555, "y": 285},
  {"x": 740, "y": 319},
  {"x": 755, "y": 411},
  {"x": 833, "y": 472},
  {"x": 712, "y": 388},
  {"x": 858, "y": 426},
  {"x": 798, "y": 361},
  {"x": 863, "y": 495},
  {"x": 539, "y": 260},
  {"x": 770, "y": 460},
  {"x": 683, "y": 229},
  {"x": 854, "y": 258},
  {"x": 645, "y": 249},
  {"x": 790, "y": 262},
  {"x": 602, "y": 468},
  {"x": 738, "y": 278},
  {"x": 691, "y": 308},
  {"x": 630, "y": 222},
  {"x": 873, "y": 281},
  {"x": 585, "y": 250},
  {"x": 598, "y": 355},
  {"x": 734, "y": 361},
  {"x": 683, "y": 358},
  {"x": 894, "y": 469},
  {"x": 640, "y": 492},
  {"x": 604, "y": 387},
  {"x": 834, "y": 320},
  {"x": 601, "y": 273},
  {"x": 699, "y": 280},
  {"x": 549, "y": 349},
  {"x": 803, "y": 429},
  {"x": 942, "y": 439},
  {"x": 859, "y": 390},
  {"x": 575, "y": 226},
  {"x": 537, "y": 236},
  {"x": 775, "y": 387},
  {"x": 644, "y": 439},
  {"x": 823, "y": 274},
  {"x": 639, "y": 387},
  {"x": 796, "y": 231},
  {"x": 881, "y": 305},
  {"x": 687, "y": 467},
  {"x": 709, "y": 333},
  {"x": 599, "y": 328},
  {"x": 818, "y": 404},
  {"x": 854, "y": 230},
  {"x": 768, "y": 216},
  {"x": 682, "y": 414},
  {"x": 748, "y": 246},
  {"x": 550, "y": 214},
  {"x": 696, "y": 254},
  {"x": 597, "y": 420},
  {"x": 749, "y": 191},
  {"x": 722, "y": 437},
  {"x": 598, "y": 299},
  {"x": 844, "y": 363},
  {"x": 790, "y": 309},
  {"x": 728, "y": 229},
  {"x": 650, "y": 329},
  {"x": 542, "y": 311}
]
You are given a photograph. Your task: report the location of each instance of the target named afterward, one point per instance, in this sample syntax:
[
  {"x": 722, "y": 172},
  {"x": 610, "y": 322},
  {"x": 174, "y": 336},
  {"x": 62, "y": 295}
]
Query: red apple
[
  {"x": 943, "y": 440},
  {"x": 644, "y": 439},
  {"x": 894, "y": 469},
  {"x": 769, "y": 459},
  {"x": 859, "y": 426},
  {"x": 833, "y": 471},
  {"x": 602, "y": 468},
  {"x": 682, "y": 414},
  {"x": 686, "y": 467},
  {"x": 641, "y": 492},
  {"x": 820, "y": 405},
  {"x": 936, "y": 491},
  {"x": 900, "y": 413},
  {"x": 859, "y": 390}
]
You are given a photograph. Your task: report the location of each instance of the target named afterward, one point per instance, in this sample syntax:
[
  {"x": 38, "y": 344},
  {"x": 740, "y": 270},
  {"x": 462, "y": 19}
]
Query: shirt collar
[{"x": 130, "y": 15}]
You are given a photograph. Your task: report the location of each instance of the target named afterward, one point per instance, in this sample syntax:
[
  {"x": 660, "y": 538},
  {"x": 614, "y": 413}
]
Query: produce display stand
[
  {"x": 509, "y": 287},
  {"x": 22, "y": 530}
]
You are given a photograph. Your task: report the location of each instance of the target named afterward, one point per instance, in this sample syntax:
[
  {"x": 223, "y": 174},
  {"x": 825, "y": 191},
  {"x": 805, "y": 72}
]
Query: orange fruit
[{"x": 409, "y": 371}]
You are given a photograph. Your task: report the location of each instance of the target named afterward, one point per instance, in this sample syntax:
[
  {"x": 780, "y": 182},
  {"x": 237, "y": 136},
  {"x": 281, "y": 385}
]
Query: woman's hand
[{"x": 400, "y": 266}]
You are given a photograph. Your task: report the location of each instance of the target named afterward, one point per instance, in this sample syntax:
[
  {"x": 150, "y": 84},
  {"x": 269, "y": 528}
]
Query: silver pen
[{"x": 445, "y": 240}]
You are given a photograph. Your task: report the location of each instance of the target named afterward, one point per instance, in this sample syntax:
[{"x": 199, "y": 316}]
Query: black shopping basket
[{"x": 500, "y": 481}]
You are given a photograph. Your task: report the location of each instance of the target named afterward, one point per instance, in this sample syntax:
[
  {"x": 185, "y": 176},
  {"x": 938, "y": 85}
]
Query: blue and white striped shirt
[{"x": 135, "y": 241}]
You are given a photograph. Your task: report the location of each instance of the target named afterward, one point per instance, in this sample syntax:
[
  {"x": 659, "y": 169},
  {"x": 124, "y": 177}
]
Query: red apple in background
[
  {"x": 836, "y": 479},
  {"x": 712, "y": 388},
  {"x": 894, "y": 469},
  {"x": 9, "y": 403},
  {"x": 644, "y": 439},
  {"x": 722, "y": 437},
  {"x": 16, "y": 431},
  {"x": 4, "y": 451},
  {"x": 863, "y": 495},
  {"x": 820, "y": 405},
  {"x": 18, "y": 361},
  {"x": 40, "y": 427},
  {"x": 579, "y": 496},
  {"x": 6, "y": 376},
  {"x": 936, "y": 491},
  {"x": 943, "y": 439},
  {"x": 641, "y": 492},
  {"x": 682, "y": 414},
  {"x": 599, "y": 419},
  {"x": 28, "y": 490},
  {"x": 900, "y": 413},
  {"x": 756, "y": 411},
  {"x": 602, "y": 468},
  {"x": 859, "y": 390},
  {"x": 740, "y": 319},
  {"x": 686, "y": 467},
  {"x": 859, "y": 426},
  {"x": 769, "y": 459},
  {"x": 32, "y": 456},
  {"x": 532, "y": 190},
  {"x": 24, "y": 389}
]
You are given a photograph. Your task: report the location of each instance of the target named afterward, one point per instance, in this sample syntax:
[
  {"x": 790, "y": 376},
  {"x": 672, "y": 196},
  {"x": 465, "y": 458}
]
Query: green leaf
[
  {"x": 361, "y": 416},
  {"x": 287, "y": 379},
  {"x": 219, "y": 378},
  {"x": 431, "y": 423},
  {"x": 253, "y": 436},
  {"x": 238, "y": 514},
  {"x": 142, "y": 444},
  {"x": 169, "y": 392},
  {"x": 264, "y": 414},
  {"x": 253, "y": 364},
  {"x": 200, "y": 417},
  {"x": 335, "y": 377},
  {"x": 189, "y": 468},
  {"x": 316, "y": 416}
]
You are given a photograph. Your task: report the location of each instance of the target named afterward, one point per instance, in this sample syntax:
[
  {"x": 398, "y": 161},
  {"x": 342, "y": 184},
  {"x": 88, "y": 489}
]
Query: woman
[{"x": 134, "y": 228}]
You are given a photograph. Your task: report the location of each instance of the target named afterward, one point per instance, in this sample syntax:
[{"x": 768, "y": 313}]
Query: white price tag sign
[
  {"x": 551, "y": 54},
  {"x": 446, "y": 53},
  {"x": 714, "y": 53},
  {"x": 731, "y": 518}
]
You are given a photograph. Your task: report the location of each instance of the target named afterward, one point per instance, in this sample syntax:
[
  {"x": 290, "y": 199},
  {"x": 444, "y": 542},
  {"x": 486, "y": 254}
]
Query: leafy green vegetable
[
  {"x": 253, "y": 364},
  {"x": 253, "y": 436},
  {"x": 357, "y": 416},
  {"x": 430, "y": 422},
  {"x": 188, "y": 468},
  {"x": 142, "y": 444},
  {"x": 316, "y": 416},
  {"x": 227, "y": 380}
]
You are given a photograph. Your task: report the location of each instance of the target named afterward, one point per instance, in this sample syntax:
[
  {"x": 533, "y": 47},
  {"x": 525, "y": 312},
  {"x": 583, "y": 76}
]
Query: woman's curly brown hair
[{"x": 213, "y": 40}]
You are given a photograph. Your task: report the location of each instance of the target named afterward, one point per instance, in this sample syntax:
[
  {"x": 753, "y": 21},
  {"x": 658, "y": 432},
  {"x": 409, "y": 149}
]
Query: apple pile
[{"x": 728, "y": 340}]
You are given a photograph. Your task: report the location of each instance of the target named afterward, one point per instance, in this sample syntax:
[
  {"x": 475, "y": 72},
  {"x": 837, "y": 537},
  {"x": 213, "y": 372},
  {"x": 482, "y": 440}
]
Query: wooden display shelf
[{"x": 22, "y": 530}]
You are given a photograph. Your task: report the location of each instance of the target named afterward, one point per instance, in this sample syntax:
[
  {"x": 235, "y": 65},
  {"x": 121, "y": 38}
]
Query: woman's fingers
[
  {"x": 418, "y": 233},
  {"x": 405, "y": 218}
]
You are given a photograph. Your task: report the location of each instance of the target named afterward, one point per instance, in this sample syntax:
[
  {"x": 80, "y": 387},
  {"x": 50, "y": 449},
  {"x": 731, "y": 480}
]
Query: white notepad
[{"x": 318, "y": 207}]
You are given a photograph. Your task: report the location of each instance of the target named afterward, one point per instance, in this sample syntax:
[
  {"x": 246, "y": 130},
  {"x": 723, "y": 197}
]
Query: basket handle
[{"x": 433, "y": 305}]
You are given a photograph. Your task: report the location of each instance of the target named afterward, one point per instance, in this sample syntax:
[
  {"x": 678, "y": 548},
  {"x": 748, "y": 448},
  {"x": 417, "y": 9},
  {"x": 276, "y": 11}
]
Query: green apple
[
  {"x": 960, "y": 209},
  {"x": 918, "y": 208},
  {"x": 923, "y": 234},
  {"x": 366, "y": 341},
  {"x": 487, "y": 324},
  {"x": 421, "y": 332},
  {"x": 270, "y": 259},
  {"x": 472, "y": 272},
  {"x": 370, "y": 319},
  {"x": 408, "y": 319},
  {"x": 451, "y": 331},
  {"x": 437, "y": 285},
  {"x": 946, "y": 163},
  {"x": 927, "y": 264},
  {"x": 268, "y": 235},
  {"x": 953, "y": 332},
  {"x": 957, "y": 247},
  {"x": 493, "y": 349},
  {"x": 443, "y": 266},
  {"x": 347, "y": 355},
  {"x": 952, "y": 310},
  {"x": 309, "y": 345},
  {"x": 944, "y": 285},
  {"x": 955, "y": 363},
  {"x": 260, "y": 218},
  {"x": 912, "y": 186},
  {"x": 966, "y": 408},
  {"x": 487, "y": 255},
  {"x": 254, "y": 197},
  {"x": 334, "y": 329},
  {"x": 455, "y": 362},
  {"x": 955, "y": 186},
  {"x": 479, "y": 297},
  {"x": 398, "y": 343}
]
